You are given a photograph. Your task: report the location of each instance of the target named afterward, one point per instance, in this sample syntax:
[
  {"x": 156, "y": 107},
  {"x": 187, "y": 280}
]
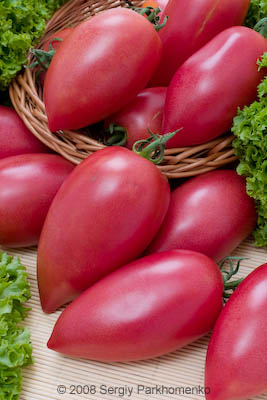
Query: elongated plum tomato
[
  {"x": 142, "y": 114},
  {"x": 236, "y": 363},
  {"x": 28, "y": 184},
  {"x": 192, "y": 24},
  {"x": 152, "y": 306},
  {"x": 210, "y": 213},
  {"x": 15, "y": 137},
  {"x": 99, "y": 68},
  {"x": 206, "y": 91},
  {"x": 104, "y": 216}
]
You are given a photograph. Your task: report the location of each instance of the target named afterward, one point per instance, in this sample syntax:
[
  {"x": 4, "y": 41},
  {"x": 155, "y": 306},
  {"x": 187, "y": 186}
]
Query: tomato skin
[
  {"x": 103, "y": 217},
  {"x": 15, "y": 137},
  {"x": 207, "y": 89},
  {"x": 236, "y": 363},
  {"x": 28, "y": 184},
  {"x": 210, "y": 213},
  {"x": 62, "y": 34},
  {"x": 139, "y": 115},
  {"x": 150, "y": 307},
  {"x": 99, "y": 68},
  {"x": 190, "y": 25},
  {"x": 55, "y": 44}
]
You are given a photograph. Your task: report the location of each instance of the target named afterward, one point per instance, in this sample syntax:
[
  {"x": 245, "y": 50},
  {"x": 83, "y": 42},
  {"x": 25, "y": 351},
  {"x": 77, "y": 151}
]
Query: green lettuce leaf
[
  {"x": 250, "y": 129},
  {"x": 257, "y": 11},
  {"x": 15, "y": 345},
  {"x": 22, "y": 23}
]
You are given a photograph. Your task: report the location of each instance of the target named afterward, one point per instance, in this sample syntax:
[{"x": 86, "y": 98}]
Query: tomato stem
[
  {"x": 153, "y": 147},
  {"x": 228, "y": 274},
  {"x": 44, "y": 58},
  {"x": 232, "y": 284},
  {"x": 151, "y": 13},
  {"x": 117, "y": 135}
]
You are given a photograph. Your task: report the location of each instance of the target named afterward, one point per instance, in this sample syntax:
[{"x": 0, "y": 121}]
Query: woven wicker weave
[{"x": 26, "y": 96}]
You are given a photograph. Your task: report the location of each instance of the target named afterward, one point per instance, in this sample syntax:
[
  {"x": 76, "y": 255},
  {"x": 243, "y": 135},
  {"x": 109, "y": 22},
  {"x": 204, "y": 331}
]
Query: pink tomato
[
  {"x": 192, "y": 24},
  {"x": 15, "y": 137},
  {"x": 206, "y": 91},
  {"x": 144, "y": 113},
  {"x": 99, "y": 68},
  {"x": 147, "y": 308},
  {"x": 28, "y": 184},
  {"x": 103, "y": 217},
  {"x": 210, "y": 213},
  {"x": 236, "y": 364}
]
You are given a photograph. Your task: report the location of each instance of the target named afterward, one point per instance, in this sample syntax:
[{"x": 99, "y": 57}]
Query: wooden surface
[{"x": 181, "y": 370}]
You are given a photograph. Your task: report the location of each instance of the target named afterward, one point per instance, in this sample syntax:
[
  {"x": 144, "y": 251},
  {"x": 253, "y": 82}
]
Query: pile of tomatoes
[
  {"x": 136, "y": 260},
  {"x": 116, "y": 68}
]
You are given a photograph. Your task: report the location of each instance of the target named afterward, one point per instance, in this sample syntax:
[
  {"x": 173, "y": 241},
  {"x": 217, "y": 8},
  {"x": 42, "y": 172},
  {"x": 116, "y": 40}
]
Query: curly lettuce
[
  {"x": 22, "y": 23},
  {"x": 15, "y": 345},
  {"x": 257, "y": 11},
  {"x": 250, "y": 129}
]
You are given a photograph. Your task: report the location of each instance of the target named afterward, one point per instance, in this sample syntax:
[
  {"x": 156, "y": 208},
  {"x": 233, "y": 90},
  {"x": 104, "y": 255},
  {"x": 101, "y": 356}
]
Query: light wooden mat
[{"x": 52, "y": 373}]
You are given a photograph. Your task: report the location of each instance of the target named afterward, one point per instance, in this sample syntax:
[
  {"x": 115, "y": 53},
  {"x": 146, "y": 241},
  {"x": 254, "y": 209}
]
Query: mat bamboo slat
[{"x": 53, "y": 372}]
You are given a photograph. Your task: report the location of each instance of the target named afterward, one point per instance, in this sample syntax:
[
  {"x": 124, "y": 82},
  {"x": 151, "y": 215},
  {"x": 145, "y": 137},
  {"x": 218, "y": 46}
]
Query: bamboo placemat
[{"x": 181, "y": 372}]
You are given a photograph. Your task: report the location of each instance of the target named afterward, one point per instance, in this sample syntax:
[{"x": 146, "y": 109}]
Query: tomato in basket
[
  {"x": 192, "y": 24},
  {"x": 206, "y": 91},
  {"x": 28, "y": 184},
  {"x": 143, "y": 114},
  {"x": 210, "y": 213},
  {"x": 152, "y": 306},
  {"x": 100, "y": 68},
  {"x": 236, "y": 363},
  {"x": 103, "y": 217}
]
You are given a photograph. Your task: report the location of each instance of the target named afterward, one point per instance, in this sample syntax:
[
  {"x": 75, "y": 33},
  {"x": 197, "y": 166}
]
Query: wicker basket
[{"x": 26, "y": 96}]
